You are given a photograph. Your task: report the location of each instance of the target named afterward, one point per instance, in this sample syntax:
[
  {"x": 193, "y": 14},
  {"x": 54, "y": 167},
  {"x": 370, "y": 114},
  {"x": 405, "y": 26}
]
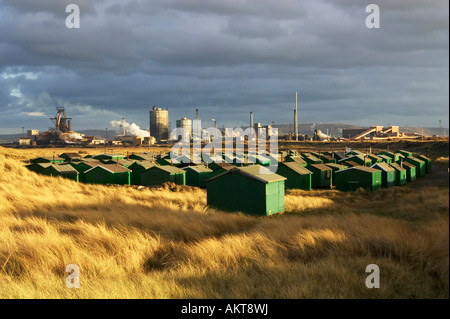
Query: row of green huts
[
  {"x": 136, "y": 169},
  {"x": 243, "y": 185}
]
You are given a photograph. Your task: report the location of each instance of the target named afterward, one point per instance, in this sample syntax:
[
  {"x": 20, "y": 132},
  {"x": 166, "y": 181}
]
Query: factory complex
[
  {"x": 160, "y": 132},
  {"x": 255, "y": 181},
  {"x": 254, "y": 187}
]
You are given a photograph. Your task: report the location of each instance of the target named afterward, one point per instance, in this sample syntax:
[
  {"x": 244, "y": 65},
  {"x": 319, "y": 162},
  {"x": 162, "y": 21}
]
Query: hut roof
[
  {"x": 361, "y": 157},
  {"x": 297, "y": 168},
  {"x": 199, "y": 168},
  {"x": 145, "y": 156},
  {"x": 423, "y": 158},
  {"x": 70, "y": 156},
  {"x": 49, "y": 158},
  {"x": 64, "y": 169},
  {"x": 325, "y": 156},
  {"x": 123, "y": 162},
  {"x": 256, "y": 172},
  {"x": 144, "y": 164},
  {"x": 297, "y": 159},
  {"x": 418, "y": 160},
  {"x": 169, "y": 169},
  {"x": 397, "y": 167},
  {"x": 383, "y": 166},
  {"x": 360, "y": 168},
  {"x": 353, "y": 164},
  {"x": 334, "y": 165},
  {"x": 43, "y": 165},
  {"x": 310, "y": 157},
  {"x": 113, "y": 168},
  {"x": 373, "y": 156},
  {"x": 225, "y": 166},
  {"x": 108, "y": 155},
  {"x": 408, "y": 165},
  {"x": 321, "y": 167}
]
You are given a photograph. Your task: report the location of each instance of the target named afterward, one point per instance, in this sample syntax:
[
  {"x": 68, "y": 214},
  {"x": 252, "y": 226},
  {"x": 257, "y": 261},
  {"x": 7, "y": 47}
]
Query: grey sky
[{"x": 226, "y": 58}]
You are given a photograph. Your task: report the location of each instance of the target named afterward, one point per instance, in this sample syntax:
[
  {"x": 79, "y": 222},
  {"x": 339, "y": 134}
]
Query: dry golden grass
[
  {"x": 441, "y": 160},
  {"x": 164, "y": 243},
  {"x": 26, "y": 154}
]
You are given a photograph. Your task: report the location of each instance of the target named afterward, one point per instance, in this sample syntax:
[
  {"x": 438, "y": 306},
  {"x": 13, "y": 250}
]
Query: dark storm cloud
[
  {"x": 225, "y": 57},
  {"x": 287, "y": 9}
]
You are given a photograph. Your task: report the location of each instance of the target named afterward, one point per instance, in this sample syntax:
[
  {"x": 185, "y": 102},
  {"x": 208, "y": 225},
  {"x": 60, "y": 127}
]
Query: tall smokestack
[
  {"x": 123, "y": 126},
  {"x": 295, "y": 119},
  {"x": 196, "y": 126},
  {"x": 251, "y": 121}
]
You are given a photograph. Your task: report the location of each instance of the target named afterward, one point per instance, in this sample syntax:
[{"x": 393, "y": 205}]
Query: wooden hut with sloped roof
[
  {"x": 298, "y": 159},
  {"x": 65, "y": 171},
  {"x": 297, "y": 176},
  {"x": 375, "y": 158},
  {"x": 350, "y": 163},
  {"x": 108, "y": 174},
  {"x": 123, "y": 162},
  {"x": 38, "y": 167},
  {"x": 338, "y": 155},
  {"x": 418, "y": 163},
  {"x": 253, "y": 190},
  {"x": 322, "y": 175},
  {"x": 197, "y": 175},
  {"x": 395, "y": 157},
  {"x": 83, "y": 166},
  {"x": 400, "y": 174},
  {"x": 103, "y": 157},
  {"x": 219, "y": 168},
  {"x": 352, "y": 178},
  {"x": 311, "y": 159},
  {"x": 387, "y": 174},
  {"x": 141, "y": 157},
  {"x": 362, "y": 160},
  {"x": 410, "y": 171},
  {"x": 385, "y": 159},
  {"x": 137, "y": 168},
  {"x": 326, "y": 158},
  {"x": 49, "y": 159},
  {"x": 158, "y": 175},
  {"x": 71, "y": 157},
  {"x": 427, "y": 161},
  {"x": 334, "y": 168},
  {"x": 404, "y": 153}
]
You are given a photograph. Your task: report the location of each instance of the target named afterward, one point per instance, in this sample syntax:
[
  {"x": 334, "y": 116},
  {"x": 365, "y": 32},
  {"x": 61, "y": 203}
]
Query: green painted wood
[{"x": 358, "y": 177}]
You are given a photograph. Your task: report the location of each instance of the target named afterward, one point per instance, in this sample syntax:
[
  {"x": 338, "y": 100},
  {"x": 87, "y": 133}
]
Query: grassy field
[{"x": 165, "y": 242}]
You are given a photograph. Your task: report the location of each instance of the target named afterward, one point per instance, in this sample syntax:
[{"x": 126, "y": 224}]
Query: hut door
[{"x": 280, "y": 197}]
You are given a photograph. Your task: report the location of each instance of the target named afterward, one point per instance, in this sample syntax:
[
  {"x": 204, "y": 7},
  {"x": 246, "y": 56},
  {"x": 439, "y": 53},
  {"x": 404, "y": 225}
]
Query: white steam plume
[
  {"x": 75, "y": 136},
  {"x": 321, "y": 135},
  {"x": 70, "y": 138},
  {"x": 130, "y": 129}
]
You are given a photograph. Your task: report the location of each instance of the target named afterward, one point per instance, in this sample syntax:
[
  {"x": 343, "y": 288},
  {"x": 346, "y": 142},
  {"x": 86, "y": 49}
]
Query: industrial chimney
[
  {"x": 251, "y": 121},
  {"x": 295, "y": 119},
  {"x": 123, "y": 126}
]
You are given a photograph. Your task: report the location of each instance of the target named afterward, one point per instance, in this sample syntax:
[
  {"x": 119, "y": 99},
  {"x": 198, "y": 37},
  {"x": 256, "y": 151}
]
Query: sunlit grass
[
  {"x": 443, "y": 160},
  {"x": 165, "y": 243}
]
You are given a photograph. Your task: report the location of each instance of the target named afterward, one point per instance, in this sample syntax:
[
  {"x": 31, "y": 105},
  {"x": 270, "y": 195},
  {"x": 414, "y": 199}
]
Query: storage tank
[
  {"x": 186, "y": 124},
  {"x": 159, "y": 124}
]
